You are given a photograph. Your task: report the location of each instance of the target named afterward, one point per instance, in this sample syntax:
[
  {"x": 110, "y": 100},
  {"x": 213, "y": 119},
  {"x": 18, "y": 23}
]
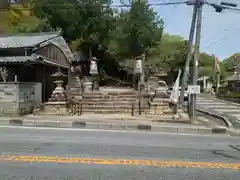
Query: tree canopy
[{"x": 95, "y": 28}]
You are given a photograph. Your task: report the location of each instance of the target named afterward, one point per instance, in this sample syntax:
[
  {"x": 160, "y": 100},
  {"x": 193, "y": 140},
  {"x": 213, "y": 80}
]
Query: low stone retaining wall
[{"x": 231, "y": 99}]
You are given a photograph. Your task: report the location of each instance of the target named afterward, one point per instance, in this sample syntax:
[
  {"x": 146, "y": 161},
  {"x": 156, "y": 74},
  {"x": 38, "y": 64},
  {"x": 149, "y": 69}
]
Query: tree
[
  {"x": 137, "y": 30},
  {"x": 17, "y": 18},
  {"x": 85, "y": 20},
  {"x": 4, "y": 4},
  {"x": 92, "y": 27},
  {"x": 169, "y": 55},
  {"x": 231, "y": 61}
]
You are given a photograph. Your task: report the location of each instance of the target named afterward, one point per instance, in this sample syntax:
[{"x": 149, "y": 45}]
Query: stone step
[
  {"x": 99, "y": 101},
  {"x": 165, "y": 110},
  {"x": 110, "y": 106},
  {"x": 75, "y": 87},
  {"x": 161, "y": 112},
  {"x": 110, "y": 102},
  {"x": 109, "y": 111},
  {"x": 114, "y": 99},
  {"x": 109, "y": 96},
  {"x": 75, "y": 91},
  {"x": 159, "y": 105},
  {"x": 127, "y": 101},
  {"x": 110, "y": 93}
]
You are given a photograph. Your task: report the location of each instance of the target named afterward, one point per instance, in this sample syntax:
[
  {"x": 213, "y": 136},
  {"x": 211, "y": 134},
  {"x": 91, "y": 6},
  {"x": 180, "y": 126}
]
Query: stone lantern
[
  {"x": 57, "y": 103},
  {"x": 94, "y": 73},
  {"x": 59, "y": 93}
]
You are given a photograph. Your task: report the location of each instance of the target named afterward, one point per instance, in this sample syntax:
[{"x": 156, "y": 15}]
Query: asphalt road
[
  {"x": 220, "y": 107},
  {"x": 66, "y": 154}
]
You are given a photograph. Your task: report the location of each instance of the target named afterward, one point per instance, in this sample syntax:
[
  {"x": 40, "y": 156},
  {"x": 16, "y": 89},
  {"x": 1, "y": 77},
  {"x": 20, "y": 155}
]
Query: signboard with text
[{"x": 193, "y": 89}]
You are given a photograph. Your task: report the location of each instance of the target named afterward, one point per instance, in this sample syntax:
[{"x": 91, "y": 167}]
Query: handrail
[{"x": 133, "y": 109}]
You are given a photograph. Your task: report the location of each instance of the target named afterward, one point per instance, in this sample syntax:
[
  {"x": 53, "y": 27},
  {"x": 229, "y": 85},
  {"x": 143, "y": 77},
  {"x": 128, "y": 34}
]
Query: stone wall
[
  {"x": 17, "y": 98},
  {"x": 8, "y": 98},
  {"x": 231, "y": 99}
]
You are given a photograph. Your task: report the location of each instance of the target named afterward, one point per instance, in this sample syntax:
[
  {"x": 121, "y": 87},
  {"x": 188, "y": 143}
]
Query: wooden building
[
  {"x": 233, "y": 81},
  {"x": 35, "y": 57},
  {"x": 81, "y": 65}
]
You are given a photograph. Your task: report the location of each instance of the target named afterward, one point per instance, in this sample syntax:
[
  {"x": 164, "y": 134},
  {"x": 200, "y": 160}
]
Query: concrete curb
[
  {"x": 232, "y": 132},
  {"x": 114, "y": 126},
  {"x": 228, "y": 123}
]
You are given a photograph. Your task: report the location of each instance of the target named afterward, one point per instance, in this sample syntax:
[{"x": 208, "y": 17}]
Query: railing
[{"x": 76, "y": 107}]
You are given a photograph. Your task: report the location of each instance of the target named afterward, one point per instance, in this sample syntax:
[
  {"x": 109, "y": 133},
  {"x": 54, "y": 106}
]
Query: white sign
[{"x": 193, "y": 89}]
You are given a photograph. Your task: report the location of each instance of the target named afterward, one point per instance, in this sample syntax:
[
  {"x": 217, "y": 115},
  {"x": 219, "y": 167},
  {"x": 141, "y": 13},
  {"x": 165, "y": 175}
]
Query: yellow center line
[{"x": 101, "y": 161}]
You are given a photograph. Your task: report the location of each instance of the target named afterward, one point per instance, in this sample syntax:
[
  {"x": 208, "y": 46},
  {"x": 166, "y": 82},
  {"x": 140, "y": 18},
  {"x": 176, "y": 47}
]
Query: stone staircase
[
  {"x": 112, "y": 103},
  {"x": 75, "y": 87},
  {"x": 117, "y": 101},
  {"x": 160, "y": 104}
]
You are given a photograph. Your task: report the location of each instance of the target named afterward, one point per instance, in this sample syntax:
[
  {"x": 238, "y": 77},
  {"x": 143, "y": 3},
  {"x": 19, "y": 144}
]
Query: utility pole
[
  {"x": 218, "y": 82},
  {"x": 199, "y": 4},
  {"x": 189, "y": 56}
]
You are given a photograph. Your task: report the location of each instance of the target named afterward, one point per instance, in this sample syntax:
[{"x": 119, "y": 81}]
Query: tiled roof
[
  {"x": 18, "y": 59},
  {"x": 33, "y": 39},
  {"x": 26, "y": 40},
  {"x": 61, "y": 43}
]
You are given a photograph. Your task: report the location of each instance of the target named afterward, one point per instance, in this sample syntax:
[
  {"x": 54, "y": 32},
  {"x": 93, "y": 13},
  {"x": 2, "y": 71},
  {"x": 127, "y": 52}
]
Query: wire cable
[
  {"x": 113, "y": 6},
  {"x": 221, "y": 39},
  {"x": 167, "y": 2},
  {"x": 216, "y": 6}
]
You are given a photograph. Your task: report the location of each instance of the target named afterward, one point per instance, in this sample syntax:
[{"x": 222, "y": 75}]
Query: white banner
[
  {"x": 138, "y": 66},
  {"x": 93, "y": 67},
  {"x": 175, "y": 91}
]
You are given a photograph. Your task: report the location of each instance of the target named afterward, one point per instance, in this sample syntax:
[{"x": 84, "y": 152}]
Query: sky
[{"x": 220, "y": 34}]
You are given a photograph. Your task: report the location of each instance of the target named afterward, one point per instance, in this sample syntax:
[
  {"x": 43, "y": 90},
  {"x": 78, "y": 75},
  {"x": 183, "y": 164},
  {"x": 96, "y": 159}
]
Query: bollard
[
  {"x": 132, "y": 111},
  {"x": 81, "y": 108}
]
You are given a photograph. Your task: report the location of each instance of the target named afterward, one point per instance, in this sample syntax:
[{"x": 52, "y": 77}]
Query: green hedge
[{"x": 229, "y": 94}]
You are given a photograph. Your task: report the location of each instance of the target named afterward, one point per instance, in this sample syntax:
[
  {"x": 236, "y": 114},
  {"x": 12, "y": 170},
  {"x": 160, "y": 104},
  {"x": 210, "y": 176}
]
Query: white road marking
[
  {"x": 205, "y": 100},
  {"x": 212, "y": 102},
  {"x": 237, "y": 115},
  {"x": 227, "y": 110},
  {"x": 114, "y": 131},
  {"x": 220, "y": 106},
  {"x": 199, "y": 98}
]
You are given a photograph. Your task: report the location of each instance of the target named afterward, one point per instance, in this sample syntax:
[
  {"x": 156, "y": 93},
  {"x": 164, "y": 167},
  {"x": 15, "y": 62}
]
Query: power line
[
  {"x": 167, "y": 2},
  {"x": 216, "y": 40},
  {"x": 65, "y": 6},
  {"x": 219, "y": 8},
  {"x": 221, "y": 39}
]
